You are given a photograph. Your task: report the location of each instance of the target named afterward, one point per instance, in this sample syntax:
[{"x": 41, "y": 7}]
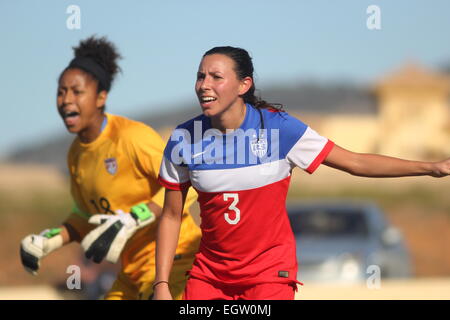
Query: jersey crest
[
  {"x": 111, "y": 165},
  {"x": 259, "y": 147}
]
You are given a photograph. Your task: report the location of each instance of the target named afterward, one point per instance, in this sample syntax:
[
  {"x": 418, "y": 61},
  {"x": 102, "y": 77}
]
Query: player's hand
[
  {"x": 36, "y": 246},
  {"x": 113, "y": 232},
  {"x": 162, "y": 292},
  {"x": 441, "y": 169}
]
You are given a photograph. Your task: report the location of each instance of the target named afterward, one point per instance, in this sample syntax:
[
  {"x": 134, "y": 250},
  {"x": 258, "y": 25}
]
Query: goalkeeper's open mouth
[{"x": 70, "y": 117}]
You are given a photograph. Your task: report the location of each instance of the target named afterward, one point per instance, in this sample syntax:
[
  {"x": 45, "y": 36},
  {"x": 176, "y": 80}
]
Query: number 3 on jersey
[{"x": 233, "y": 207}]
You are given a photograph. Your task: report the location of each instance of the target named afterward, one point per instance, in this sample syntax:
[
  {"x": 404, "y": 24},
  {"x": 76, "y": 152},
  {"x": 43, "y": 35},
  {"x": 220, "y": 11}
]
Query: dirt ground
[{"x": 416, "y": 289}]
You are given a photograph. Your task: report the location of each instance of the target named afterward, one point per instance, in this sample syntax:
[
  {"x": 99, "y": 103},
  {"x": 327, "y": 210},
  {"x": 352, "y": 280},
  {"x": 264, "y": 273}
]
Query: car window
[{"x": 329, "y": 223}]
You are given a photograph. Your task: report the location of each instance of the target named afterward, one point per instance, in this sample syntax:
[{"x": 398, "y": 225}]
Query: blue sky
[{"x": 162, "y": 43}]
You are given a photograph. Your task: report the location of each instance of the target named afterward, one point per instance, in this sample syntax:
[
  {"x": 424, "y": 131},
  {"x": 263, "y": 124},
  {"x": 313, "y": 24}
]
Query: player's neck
[
  {"x": 230, "y": 119},
  {"x": 90, "y": 133}
]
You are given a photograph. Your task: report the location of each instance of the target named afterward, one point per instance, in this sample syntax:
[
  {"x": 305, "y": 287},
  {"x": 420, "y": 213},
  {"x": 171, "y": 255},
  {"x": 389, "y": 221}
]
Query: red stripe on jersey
[
  {"x": 320, "y": 157},
  {"x": 246, "y": 237},
  {"x": 172, "y": 185}
]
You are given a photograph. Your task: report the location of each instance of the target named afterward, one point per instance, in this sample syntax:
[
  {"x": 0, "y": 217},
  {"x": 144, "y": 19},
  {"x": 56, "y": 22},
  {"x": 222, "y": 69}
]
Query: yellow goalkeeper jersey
[{"x": 118, "y": 171}]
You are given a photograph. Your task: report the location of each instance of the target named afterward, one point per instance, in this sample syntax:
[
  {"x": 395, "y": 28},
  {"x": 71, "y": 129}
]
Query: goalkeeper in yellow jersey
[{"x": 114, "y": 164}]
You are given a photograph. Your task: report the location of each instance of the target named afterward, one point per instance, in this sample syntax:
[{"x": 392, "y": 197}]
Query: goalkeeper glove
[
  {"x": 109, "y": 238},
  {"x": 34, "y": 247}
]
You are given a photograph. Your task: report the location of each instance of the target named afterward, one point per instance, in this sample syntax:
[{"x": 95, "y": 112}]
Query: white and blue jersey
[{"x": 242, "y": 179}]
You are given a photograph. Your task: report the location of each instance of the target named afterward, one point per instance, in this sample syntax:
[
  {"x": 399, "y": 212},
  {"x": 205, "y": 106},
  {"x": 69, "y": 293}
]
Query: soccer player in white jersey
[{"x": 238, "y": 155}]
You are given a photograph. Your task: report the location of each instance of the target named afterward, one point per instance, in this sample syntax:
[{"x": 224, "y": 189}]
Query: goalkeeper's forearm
[{"x": 66, "y": 235}]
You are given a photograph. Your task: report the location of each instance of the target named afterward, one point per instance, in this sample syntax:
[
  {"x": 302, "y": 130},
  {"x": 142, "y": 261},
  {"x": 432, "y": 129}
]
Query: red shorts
[{"x": 197, "y": 289}]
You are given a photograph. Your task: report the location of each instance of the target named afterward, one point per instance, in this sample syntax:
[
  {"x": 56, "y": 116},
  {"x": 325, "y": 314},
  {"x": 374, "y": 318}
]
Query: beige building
[{"x": 412, "y": 120}]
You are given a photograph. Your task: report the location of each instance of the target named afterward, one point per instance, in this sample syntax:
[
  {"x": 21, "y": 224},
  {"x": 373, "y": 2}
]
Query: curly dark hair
[
  {"x": 103, "y": 52},
  {"x": 102, "y": 55}
]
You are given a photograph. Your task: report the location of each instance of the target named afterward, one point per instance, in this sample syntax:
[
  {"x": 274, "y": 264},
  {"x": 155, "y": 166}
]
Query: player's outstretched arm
[
  {"x": 167, "y": 240},
  {"x": 34, "y": 247},
  {"x": 379, "y": 166}
]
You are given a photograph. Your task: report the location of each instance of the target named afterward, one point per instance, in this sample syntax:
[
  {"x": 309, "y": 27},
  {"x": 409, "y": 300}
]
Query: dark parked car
[{"x": 346, "y": 242}]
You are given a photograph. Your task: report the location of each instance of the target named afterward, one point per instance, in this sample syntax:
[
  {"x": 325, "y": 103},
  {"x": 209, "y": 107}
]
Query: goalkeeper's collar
[{"x": 104, "y": 123}]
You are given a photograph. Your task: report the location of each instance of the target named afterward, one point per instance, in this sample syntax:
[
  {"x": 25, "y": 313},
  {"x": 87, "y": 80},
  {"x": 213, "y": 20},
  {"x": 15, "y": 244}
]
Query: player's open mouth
[
  {"x": 206, "y": 100},
  {"x": 70, "y": 117}
]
